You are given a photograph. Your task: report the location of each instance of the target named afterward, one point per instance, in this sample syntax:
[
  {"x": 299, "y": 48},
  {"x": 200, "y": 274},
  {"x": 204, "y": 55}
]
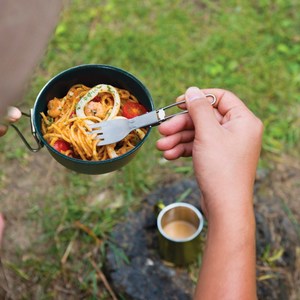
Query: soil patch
[
  {"x": 143, "y": 275},
  {"x": 277, "y": 214}
]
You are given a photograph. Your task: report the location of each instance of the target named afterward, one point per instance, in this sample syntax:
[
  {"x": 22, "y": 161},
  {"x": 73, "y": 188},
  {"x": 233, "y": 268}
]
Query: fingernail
[{"x": 194, "y": 93}]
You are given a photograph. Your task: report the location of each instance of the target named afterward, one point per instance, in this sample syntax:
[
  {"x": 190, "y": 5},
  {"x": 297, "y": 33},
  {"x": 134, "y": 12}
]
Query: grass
[{"x": 249, "y": 47}]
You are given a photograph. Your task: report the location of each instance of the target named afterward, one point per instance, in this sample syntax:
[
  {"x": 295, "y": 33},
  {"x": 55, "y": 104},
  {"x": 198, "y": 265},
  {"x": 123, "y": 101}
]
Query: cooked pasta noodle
[{"x": 65, "y": 126}]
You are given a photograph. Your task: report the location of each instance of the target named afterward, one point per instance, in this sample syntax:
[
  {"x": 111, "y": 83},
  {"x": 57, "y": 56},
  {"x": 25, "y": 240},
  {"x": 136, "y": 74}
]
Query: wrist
[
  {"x": 232, "y": 204},
  {"x": 237, "y": 224},
  {"x": 233, "y": 221}
]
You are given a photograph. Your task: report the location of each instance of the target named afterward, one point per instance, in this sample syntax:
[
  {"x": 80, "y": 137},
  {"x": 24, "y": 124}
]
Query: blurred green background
[{"x": 249, "y": 47}]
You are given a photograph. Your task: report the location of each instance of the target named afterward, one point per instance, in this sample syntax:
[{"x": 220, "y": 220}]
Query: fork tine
[
  {"x": 95, "y": 131},
  {"x": 99, "y": 137},
  {"x": 96, "y": 125},
  {"x": 104, "y": 141}
]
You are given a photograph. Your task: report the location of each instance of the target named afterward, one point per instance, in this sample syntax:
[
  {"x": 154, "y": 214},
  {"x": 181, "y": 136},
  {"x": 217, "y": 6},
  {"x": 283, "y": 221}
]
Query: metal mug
[{"x": 179, "y": 226}]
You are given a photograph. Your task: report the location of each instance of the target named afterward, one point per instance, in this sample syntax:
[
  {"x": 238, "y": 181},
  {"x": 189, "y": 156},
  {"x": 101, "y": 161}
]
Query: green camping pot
[{"x": 89, "y": 75}]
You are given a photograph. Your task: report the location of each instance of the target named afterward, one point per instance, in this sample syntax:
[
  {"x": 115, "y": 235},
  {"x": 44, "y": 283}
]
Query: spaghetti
[{"x": 65, "y": 126}]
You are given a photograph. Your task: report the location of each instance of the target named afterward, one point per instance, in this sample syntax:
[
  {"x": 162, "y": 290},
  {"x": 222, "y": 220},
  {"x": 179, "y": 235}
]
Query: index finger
[{"x": 176, "y": 124}]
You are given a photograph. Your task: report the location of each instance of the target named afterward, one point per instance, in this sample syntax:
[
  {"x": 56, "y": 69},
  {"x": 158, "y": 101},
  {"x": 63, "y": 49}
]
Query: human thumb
[
  {"x": 200, "y": 109},
  {"x": 13, "y": 114}
]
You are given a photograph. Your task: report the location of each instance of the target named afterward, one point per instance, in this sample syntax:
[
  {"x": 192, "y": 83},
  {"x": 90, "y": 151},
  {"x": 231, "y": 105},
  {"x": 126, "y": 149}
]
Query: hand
[
  {"x": 13, "y": 114},
  {"x": 225, "y": 144}
]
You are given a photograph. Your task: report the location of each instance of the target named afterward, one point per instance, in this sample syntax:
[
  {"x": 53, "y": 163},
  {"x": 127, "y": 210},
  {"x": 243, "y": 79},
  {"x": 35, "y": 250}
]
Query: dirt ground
[{"x": 277, "y": 208}]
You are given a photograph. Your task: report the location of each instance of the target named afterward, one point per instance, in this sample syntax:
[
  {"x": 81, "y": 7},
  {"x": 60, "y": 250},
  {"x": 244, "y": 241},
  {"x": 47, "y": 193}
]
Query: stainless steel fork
[{"x": 113, "y": 131}]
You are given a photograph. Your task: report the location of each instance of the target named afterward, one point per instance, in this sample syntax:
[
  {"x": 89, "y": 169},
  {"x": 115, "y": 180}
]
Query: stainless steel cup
[{"x": 179, "y": 226}]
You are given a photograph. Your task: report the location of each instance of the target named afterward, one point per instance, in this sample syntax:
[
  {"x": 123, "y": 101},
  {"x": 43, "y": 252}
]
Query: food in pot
[{"x": 65, "y": 125}]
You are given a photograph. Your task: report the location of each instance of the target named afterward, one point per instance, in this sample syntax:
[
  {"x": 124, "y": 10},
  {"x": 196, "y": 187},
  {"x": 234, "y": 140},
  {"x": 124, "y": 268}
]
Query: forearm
[{"x": 228, "y": 265}]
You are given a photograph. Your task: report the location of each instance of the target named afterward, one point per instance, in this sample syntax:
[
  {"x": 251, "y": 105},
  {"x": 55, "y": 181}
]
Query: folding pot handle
[{"x": 33, "y": 131}]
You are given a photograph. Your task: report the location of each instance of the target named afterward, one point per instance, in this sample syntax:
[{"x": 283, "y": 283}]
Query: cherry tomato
[
  {"x": 73, "y": 114},
  {"x": 133, "y": 109},
  {"x": 61, "y": 145}
]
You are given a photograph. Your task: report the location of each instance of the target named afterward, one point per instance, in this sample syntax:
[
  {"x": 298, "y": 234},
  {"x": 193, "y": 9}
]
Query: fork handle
[
  {"x": 154, "y": 117},
  {"x": 149, "y": 119}
]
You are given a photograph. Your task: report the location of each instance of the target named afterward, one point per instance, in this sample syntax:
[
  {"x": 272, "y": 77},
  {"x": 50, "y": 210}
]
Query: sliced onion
[
  {"x": 111, "y": 151},
  {"x": 92, "y": 93},
  {"x": 140, "y": 133}
]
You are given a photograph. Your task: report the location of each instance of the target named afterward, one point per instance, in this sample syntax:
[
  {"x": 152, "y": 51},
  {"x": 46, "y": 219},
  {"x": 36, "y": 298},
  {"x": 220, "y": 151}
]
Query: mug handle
[
  {"x": 158, "y": 207},
  {"x": 33, "y": 131}
]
